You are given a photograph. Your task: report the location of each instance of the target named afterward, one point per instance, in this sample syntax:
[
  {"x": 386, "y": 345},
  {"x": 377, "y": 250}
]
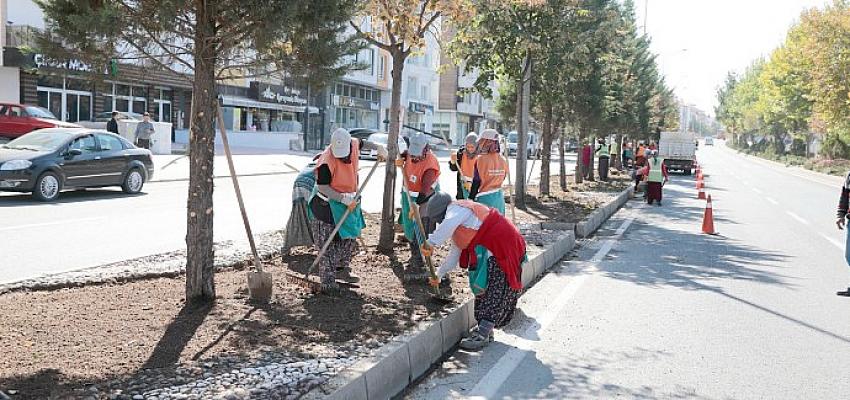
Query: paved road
[
  {"x": 96, "y": 227},
  {"x": 653, "y": 309}
]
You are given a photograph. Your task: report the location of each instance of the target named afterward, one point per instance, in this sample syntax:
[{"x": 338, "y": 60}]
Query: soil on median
[{"x": 57, "y": 343}]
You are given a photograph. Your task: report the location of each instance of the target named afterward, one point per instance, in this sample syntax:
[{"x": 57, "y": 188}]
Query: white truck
[{"x": 678, "y": 149}]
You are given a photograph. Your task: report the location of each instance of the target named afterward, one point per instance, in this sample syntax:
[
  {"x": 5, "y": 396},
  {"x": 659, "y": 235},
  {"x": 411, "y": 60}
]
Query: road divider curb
[{"x": 408, "y": 357}]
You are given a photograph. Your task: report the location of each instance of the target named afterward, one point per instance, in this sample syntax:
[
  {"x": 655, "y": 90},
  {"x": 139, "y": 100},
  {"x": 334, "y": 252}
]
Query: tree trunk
[
  {"x": 580, "y": 170},
  {"x": 617, "y": 161},
  {"x": 524, "y": 100},
  {"x": 387, "y": 236},
  {"x": 200, "y": 282},
  {"x": 546, "y": 152},
  {"x": 563, "y": 164},
  {"x": 590, "y": 177}
]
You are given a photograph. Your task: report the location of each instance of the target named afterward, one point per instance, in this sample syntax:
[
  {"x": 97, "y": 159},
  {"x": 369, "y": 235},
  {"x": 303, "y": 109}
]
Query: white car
[
  {"x": 709, "y": 141},
  {"x": 383, "y": 139}
]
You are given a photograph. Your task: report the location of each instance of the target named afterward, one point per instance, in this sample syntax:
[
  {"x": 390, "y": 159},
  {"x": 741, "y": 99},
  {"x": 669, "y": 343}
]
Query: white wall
[
  {"x": 10, "y": 85},
  {"x": 3, "y": 18}
]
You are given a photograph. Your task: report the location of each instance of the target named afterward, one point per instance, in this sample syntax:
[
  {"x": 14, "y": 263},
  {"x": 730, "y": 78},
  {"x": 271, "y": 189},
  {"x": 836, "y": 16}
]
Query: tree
[
  {"x": 212, "y": 40},
  {"x": 399, "y": 28}
]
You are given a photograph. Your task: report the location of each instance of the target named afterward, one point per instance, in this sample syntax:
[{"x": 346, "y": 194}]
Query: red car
[{"x": 17, "y": 120}]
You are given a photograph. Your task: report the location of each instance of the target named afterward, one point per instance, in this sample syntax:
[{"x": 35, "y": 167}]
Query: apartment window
[
  {"x": 412, "y": 84},
  {"x": 382, "y": 66},
  {"x": 423, "y": 92},
  {"x": 126, "y": 98}
]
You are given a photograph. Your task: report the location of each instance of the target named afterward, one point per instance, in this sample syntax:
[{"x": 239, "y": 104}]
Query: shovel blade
[{"x": 260, "y": 286}]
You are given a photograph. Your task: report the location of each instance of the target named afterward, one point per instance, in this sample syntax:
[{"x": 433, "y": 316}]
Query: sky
[{"x": 699, "y": 41}]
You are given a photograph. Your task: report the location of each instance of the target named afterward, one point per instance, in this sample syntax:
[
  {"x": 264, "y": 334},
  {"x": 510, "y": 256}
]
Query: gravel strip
[{"x": 227, "y": 255}]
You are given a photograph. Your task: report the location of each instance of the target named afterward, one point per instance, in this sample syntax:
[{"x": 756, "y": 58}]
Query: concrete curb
[
  {"x": 600, "y": 215},
  {"x": 407, "y": 357}
]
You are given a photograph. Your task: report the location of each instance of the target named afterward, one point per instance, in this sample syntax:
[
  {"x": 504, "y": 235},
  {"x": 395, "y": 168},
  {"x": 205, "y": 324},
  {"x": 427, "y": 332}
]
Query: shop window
[
  {"x": 50, "y": 81},
  {"x": 122, "y": 105},
  {"x": 122, "y": 90},
  {"x": 77, "y": 84}
]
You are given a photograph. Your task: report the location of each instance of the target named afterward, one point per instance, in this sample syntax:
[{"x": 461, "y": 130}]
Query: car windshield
[
  {"x": 40, "y": 113},
  {"x": 39, "y": 141},
  {"x": 513, "y": 137}
]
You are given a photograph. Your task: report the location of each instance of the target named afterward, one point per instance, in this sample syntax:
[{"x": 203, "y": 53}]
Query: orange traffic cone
[
  {"x": 708, "y": 218},
  {"x": 700, "y": 183},
  {"x": 701, "y": 195}
]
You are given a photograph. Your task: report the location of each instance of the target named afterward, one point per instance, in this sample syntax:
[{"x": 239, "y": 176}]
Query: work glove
[
  {"x": 399, "y": 162},
  {"x": 382, "y": 152},
  {"x": 350, "y": 200},
  {"x": 453, "y": 158},
  {"x": 426, "y": 249}
]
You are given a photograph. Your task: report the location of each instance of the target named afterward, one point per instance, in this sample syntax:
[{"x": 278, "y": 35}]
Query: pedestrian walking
[
  {"x": 463, "y": 162},
  {"x": 144, "y": 131},
  {"x": 334, "y": 193},
  {"x": 112, "y": 124},
  {"x": 640, "y": 155},
  {"x": 496, "y": 281},
  {"x": 843, "y": 204},
  {"x": 298, "y": 232},
  {"x": 422, "y": 177},
  {"x": 603, "y": 152},
  {"x": 656, "y": 176},
  {"x": 491, "y": 170}
]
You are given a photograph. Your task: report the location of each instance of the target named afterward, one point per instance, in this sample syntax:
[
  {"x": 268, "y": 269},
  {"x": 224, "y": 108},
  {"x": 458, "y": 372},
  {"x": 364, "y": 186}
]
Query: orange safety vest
[
  {"x": 345, "y": 179},
  {"x": 641, "y": 151},
  {"x": 415, "y": 171},
  {"x": 467, "y": 167},
  {"x": 493, "y": 170},
  {"x": 463, "y": 235}
]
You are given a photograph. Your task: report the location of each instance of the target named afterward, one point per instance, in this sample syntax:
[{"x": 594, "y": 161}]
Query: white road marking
[
  {"x": 490, "y": 383},
  {"x": 772, "y": 201},
  {"x": 797, "y": 217},
  {"x": 757, "y": 191},
  {"x": 63, "y": 222},
  {"x": 834, "y": 242}
]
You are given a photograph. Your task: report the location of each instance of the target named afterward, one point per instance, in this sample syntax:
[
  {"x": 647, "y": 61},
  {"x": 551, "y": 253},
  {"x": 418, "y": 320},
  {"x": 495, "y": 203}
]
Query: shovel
[
  {"x": 305, "y": 281},
  {"x": 259, "y": 281},
  {"x": 510, "y": 185},
  {"x": 438, "y": 295}
]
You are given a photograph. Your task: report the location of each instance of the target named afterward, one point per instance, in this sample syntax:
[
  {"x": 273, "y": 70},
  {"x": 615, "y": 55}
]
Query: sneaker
[
  {"x": 845, "y": 293},
  {"x": 346, "y": 275},
  {"x": 476, "y": 341}
]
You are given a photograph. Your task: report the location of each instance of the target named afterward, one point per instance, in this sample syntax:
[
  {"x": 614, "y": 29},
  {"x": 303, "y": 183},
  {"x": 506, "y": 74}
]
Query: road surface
[
  {"x": 652, "y": 309},
  {"x": 96, "y": 227}
]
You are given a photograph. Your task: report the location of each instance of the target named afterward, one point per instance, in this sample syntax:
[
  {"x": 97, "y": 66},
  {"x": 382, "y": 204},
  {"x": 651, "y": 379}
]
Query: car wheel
[
  {"x": 133, "y": 182},
  {"x": 47, "y": 187}
]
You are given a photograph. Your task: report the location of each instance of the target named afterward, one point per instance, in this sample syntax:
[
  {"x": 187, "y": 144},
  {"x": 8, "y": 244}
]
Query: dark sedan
[{"x": 47, "y": 161}]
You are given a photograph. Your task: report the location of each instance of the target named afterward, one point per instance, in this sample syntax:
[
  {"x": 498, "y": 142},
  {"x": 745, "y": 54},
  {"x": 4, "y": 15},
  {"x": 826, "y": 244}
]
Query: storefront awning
[{"x": 239, "y": 101}]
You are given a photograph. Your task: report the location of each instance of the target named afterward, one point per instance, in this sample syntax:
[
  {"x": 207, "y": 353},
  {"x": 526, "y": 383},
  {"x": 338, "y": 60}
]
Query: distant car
[
  {"x": 531, "y": 148},
  {"x": 709, "y": 141},
  {"x": 106, "y": 116},
  {"x": 17, "y": 120},
  {"x": 47, "y": 161},
  {"x": 381, "y": 138}
]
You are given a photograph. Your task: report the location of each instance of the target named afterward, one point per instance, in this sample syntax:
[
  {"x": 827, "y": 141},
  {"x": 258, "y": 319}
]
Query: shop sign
[
  {"x": 41, "y": 61},
  {"x": 421, "y": 108},
  {"x": 352, "y": 102},
  {"x": 276, "y": 94}
]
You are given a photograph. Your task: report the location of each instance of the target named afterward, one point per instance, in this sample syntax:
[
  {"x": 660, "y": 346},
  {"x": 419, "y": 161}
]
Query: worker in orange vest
[
  {"x": 422, "y": 173},
  {"x": 491, "y": 170},
  {"x": 335, "y": 192},
  {"x": 496, "y": 280},
  {"x": 464, "y": 163}
]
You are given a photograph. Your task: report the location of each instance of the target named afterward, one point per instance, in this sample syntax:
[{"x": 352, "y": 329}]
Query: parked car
[
  {"x": 17, "y": 120},
  {"x": 106, "y": 116},
  {"x": 381, "y": 138},
  {"x": 361, "y": 133},
  {"x": 531, "y": 147},
  {"x": 47, "y": 161}
]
